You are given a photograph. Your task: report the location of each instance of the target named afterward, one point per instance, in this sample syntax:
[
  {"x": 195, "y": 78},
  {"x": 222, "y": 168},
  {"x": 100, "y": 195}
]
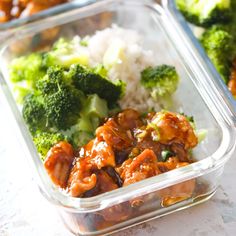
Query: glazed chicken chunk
[{"x": 127, "y": 148}]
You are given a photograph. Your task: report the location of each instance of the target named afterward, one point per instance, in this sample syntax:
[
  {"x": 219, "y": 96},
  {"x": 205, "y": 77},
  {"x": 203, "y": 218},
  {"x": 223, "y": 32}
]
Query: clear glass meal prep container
[
  {"x": 190, "y": 33},
  {"x": 195, "y": 96}
]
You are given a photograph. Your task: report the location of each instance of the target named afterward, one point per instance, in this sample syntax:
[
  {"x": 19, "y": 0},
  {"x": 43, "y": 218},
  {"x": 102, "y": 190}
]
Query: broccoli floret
[
  {"x": 219, "y": 46},
  {"x": 94, "y": 109},
  {"x": 24, "y": 73},
  {"x": 101, "y": 70},
  {"x": 21, "y": 92},
  {"x": 27, "y": 68},
  {"x": 34, "y": 113},
  {"x": 80, "y": 134},
  {"x": 205, "y": 12},
  {"x": 45, "y": 140},
  {"x": 83, "y": 43},
  {"x": 52, "y": 81},
  {"x": 92, "y": 83},
  {"x": 64, "y": 53},
  {"x": 95, "y": 106},
  {"x": 161, "y": 80},
  {"x": 60, "y": 101},
  {"x": 63, "y": 107}
]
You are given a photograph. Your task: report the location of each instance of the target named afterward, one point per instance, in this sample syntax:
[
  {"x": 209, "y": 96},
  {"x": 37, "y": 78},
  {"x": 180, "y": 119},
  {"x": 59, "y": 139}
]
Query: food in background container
[
  {"x": 218, "y": 37},
  {"x": 10, "y": 10}
]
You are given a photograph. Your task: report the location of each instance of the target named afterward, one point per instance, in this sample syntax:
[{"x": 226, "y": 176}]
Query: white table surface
[{"x": 25, "y": 212}]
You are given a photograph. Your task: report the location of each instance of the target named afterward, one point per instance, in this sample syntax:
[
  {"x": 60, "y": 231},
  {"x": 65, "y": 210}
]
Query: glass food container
[
  {"x": 196, "y": 96},
  {"x": 189, "y": 33}
]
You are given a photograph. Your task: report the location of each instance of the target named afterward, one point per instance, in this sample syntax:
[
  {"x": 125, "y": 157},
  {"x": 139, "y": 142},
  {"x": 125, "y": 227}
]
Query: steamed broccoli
[
  {"x": 54, "y": 79},
  {"x": 95, "y": 106},
  {"x": 77, "y": 135},
  {"x": 64, "y": 54},
  {"x": 205, "y": 12},
  {"x": 218, "y": 40},
  {"x": 161, "y": 80},
  {"x": 55, "y": 101},
  {"x": 25, "y": 72},
  {"x": 62, "y": 101},
  {"x": 34, "y": 112},
  {"x": 94, "y": 109},
  {"x": 45, "y": 140},
  {"x": 21, "y": 92},
  {"x": 27, "y": 68},
  {"x": 101, "y": 70},
  {"x": 218, "y": 43},
  {"x": 91, "y": 83},
  {"x": 62, "y": 107},
  {"x": 61, "y": 98},
  {"x": 57, "y": 106}
]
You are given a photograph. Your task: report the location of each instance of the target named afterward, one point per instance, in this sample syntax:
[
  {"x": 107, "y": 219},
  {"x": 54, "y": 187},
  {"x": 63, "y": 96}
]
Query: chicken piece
[
  {"x": 93, "y": 156},
  {"x": 34, "y": 6},
  {"x": 147, "y": 142},
  {"x": 5, "y": 10},
  {"x": 129, "y": 119},
  {"x": 136, "y": 169},
  {"x": 117, "y": 213},
  {"x": 177, "y": 192},
  {"x": 114, "y": 135},
  {"x": 174, "y": 128},
  {"x": 6, "y": 5},
  {"x": 81, "y": 178},
  {"x": 98, "y": 154},
  {"x": 58, "y": 163},
  {"x": 141, "y": 167},
  {"x": 168, "y": 165},
  {"x": 16, "y": 11},
  {"x": 171, "y": 164},
  {"x": 104, "y": 184},
  {"x": 23, "y": 3}
]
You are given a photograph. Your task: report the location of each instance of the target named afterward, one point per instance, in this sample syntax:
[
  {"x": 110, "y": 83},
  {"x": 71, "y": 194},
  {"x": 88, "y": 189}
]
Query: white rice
[{"x": 128, "y": 68}]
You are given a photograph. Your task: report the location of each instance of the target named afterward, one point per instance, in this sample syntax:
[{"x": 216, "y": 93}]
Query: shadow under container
[{"x": 159, "y": 195}]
